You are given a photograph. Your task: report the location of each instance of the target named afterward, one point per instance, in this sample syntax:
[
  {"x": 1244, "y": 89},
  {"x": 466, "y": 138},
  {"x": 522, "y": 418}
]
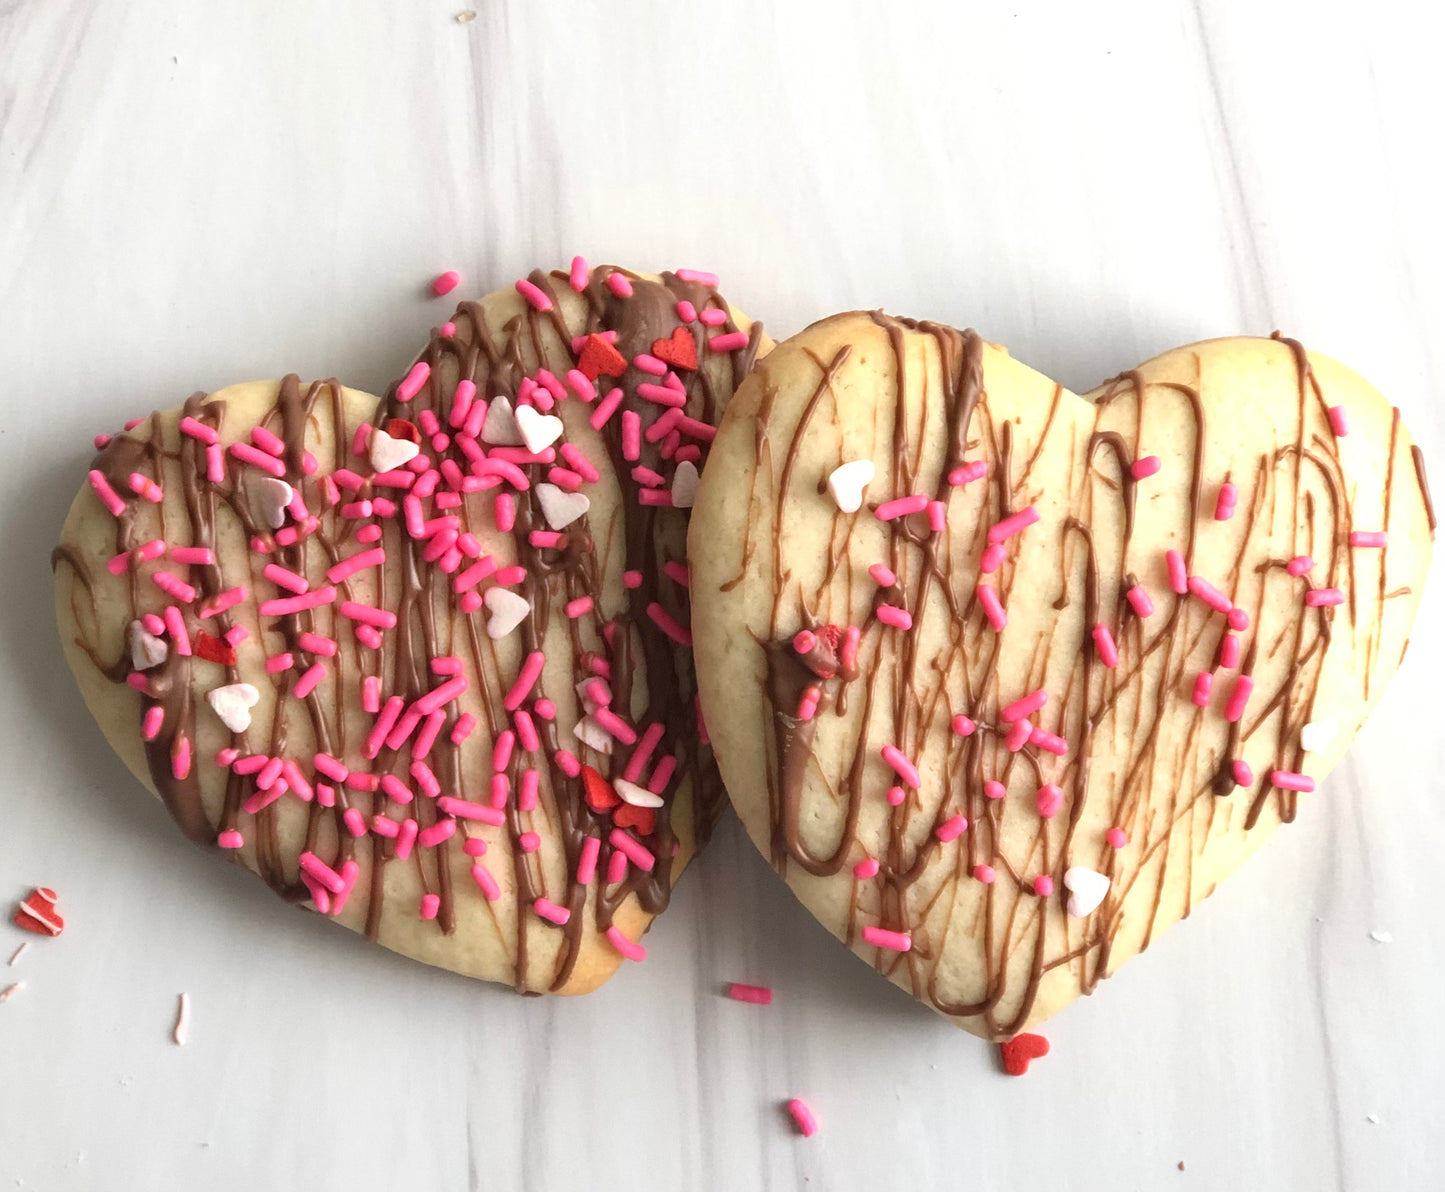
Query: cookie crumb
[
  {"x": 182, "y": 1030},
  {"x": 1181, "y": 1164},
  {"x": 1382, "y": 937},
  {"x": 1373, "y": 1118},
  {"x": 11, "y": 990},
  {"x": 467, "y": 17},
  {"x": 18, "y": 953}
]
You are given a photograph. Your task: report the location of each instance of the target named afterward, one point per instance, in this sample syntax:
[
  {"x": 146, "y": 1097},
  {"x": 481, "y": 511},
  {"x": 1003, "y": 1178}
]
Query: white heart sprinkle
[
  {"x": 146, "y": 649},
  {"x": 1086, "y": 889},
  {"x": 272, "y": 498},
  {"x": 388, "y": 454},
  {"x": 638, "y": 796},
  {"x": 500, "y": 429},
  {"x": 684, "y": 485},
  {"x": 847, "y": 482},
  {"x": 593, "y": 735},
  {"x": 560, "y": 507},
  {"x": 507, "y": 609},
  {"x": 538, "y": 431},
  {"x": 1318, "y": 734},
  {"x": 233, "y": 704}
]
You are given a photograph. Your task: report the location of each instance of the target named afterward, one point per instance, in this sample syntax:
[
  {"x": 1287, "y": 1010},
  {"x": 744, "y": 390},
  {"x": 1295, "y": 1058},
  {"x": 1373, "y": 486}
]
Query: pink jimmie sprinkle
[
  {"x": 1323, "y": 597},
  {"x": 893, "y": 941},
  {"x": 975, "y": 469},
  {"x": 258, "y": 459},
  {"x": 984, "y": 874},
  {"x": 1049, "y": 742},
  {"x": 712, "y": 317},
  {"x": 896, "y": 795},
  {"x": 466, "y": 810},
  {"x": 430, "y": 905},
  {"x": 1048, "y": 799},
  {"x": 536, "y": 297},
  {"x": 992, "y": 608},
  {"x": 1013, "y": 524},
  {"x": 151, "y": 722},
  {"x": 732, "y": 341},
  {"x": 1043, "y": 885},
  {"x": 285, "y": 578},
  {"x": 994, "y": 790},
  {"x": 1207, "y": 592},
  {"x": 1289, "y": 781},
  {"x": 1139, "y": 601},
  {"x": 1229, "y": 651},
  {"x": 756, "y": 995},
  {"x": 1026, "y": 706},
  {"x": 1224, "y": 505},
  {"x": 904, "y": 768},
  {"x": 199, "y": 430},
  {"x": 1339, "y": 421},
  {"x": 866, "y": 868},
  {"x": 1203, "y": 685},
  {"x": 1243, "y": 775},
  {"x": 1018, "y": 735},
  {"x": 230, "y": 839},
  {"x": 486, "y": 882},
  {"x": 1116, "y": 837},
  {"x": 551, "y": 911},
  {"x": 355, "y": 822},
  {"x": 587, "y": 860},
  {"x": 215, "y": 464},
  {"x": 411, "y": 384},
  {"x": 1300, "y": 565},
  {"x": 962, "y": 726},
  {"x": 446, "y": 282},
  {"x": 628, "y": 949},
  {"x": 1104, "y": 644},
  {"x": 631, "y": 434},
  {"x": 1238, "y": 698},
  {"x": 1238, "y": 620},
  {"x": 633, "y": 849},
  {"x": 951, "y": 828},
  {"x": 1144, "y": 467},
  {"x": 1369, "y": 538},
  {"x": 1178, "y": 573},
  {"x": 686, "y": 311},
  {"x": 698, "y": 277},
  {"x": 669, "y": 625},
  {"x": 992, "y": 558},
  {"x": 578, "y": 275},
  {"x": 619, "y": 285},
  {"x": 108, "y": 496},
  {"x": 176, "y": 628},
  {"x": 898, "y": 618},
  {"x": 937, "y": 516},
  {"x": 901, "y": 507},
  {"x": 803, "y": 1117},
  {"x": 504, "y": 510}
]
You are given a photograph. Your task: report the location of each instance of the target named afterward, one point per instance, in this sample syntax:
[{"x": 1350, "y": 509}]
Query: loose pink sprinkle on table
[
  {"x": 1144, "y": 467},
  {"x": 756, "y": 995},
  {"x": 803, "y": 1117},
  {"x": 892, "y": 941},
  {"x": 445, "y": 283}
]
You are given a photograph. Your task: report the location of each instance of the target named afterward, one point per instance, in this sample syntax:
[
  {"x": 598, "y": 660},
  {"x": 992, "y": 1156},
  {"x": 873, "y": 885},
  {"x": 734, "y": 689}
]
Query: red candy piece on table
[
  {"x": 1019, "y": 1050},
  {"x": 644, "y": 819},
  {"x": 598, "y": 791},
  {"x": 400, "y": 428},
  {"x": 37, "y": 913},
  {"x": 600, "y": 358},
  {"x": 214, "y": 650},
  {"x": 678, "y": 350}
]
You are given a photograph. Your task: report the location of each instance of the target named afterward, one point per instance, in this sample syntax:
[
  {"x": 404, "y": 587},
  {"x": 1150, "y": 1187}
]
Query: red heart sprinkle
[
  {"x": 400, "y": 428},
  {"x": 598, "y": 791},
  {"x": 644, "y": 819},
  {"x": 678, "y": 350},
  {"x": 600, "y": 357},
  {"x": 37, "y": 913},
  {"x": 214, "y": 650},
  {"x": 1019, "y": 1050},
  {"x": 830, "y": 635}
]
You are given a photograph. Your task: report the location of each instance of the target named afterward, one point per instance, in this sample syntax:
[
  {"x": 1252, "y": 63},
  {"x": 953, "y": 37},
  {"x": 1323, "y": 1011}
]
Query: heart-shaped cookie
[
  {"x": 385, "y": 704},
  {"x": 1070, "y": 650}
]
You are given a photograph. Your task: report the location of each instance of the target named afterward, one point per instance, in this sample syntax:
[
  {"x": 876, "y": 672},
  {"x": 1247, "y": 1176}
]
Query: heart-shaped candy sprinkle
[
  {"x": 146, "y": 649},
  {"x": 598, "y": 791},
  {"x": 1316, "y": 735},
  {"x": 539, "y": 431},
  {"x": 1019, "y": 1050},
  {"x": 684, "y": 485},
  {"x": 641, "y": 819},
  {"x": 233, "y": 704},
  {"x": 37, "y": 913},
  {"x": 388, "y": 454},
  {"x": 500, "y": 429},
  {"x": 272, "y": 496},
  {"x": 599, "y": 358},
  {"x": 560, "y": 507},
  {"x": 678, "y": 350},
  {"x": 847, "y": 482},
  {"x": 638, "y": 796},
  {"x": 593, "y": 735},
  {"x": 1086, "y": 887},
  {"x": 507, "y": 609}
]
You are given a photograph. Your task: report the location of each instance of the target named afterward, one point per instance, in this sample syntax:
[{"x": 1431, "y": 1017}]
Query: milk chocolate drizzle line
[
  {"x": 497, "y": 361},
  {"x": 1016, "y": 938}
]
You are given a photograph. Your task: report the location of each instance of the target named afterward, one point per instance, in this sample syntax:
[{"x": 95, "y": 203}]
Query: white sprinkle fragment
[
  {"x": 466, "y": 17},
  {"x": 1318, "y": 734},
  {"x": 17, "y": 954},
  {"x": 146, "y": 649},
  {"x": 182, "y": 1029},
  {"x": 638, "y": 796},
  {"x": 1382, "y": 937},
  {"x": 684, "y": 485},
  {"x": 847, "y": 482},
  {"x": 233, "y": 704},
  {"x": 593, "y": 735},
  {"x": 1373, "y": 1118},
  {"x": 11, "y": 990}
]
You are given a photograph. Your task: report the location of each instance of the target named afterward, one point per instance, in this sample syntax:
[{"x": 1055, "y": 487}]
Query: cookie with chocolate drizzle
[
  {"x": 421, "y": 662},
  {"x": 1004, "y": 680}
]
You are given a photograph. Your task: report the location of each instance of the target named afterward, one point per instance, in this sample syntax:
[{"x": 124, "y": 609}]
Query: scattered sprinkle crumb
[
  {"x": 758, "y": 995},
  {"x": 18, "y": 953},
  {"x": 467, "y": 17},
  {"x": 1181, "y": 1164},
  {"x": 11, "y": 990},
  {"x": 1382, "y": 937},
  {"x": 1373, "y": 1118},
  {"x": 183, "y": 1020}
]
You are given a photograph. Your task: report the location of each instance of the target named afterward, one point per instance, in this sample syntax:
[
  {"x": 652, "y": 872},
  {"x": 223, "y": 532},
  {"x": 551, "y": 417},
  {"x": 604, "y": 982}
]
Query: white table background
[{"x": 198, "y": 193}]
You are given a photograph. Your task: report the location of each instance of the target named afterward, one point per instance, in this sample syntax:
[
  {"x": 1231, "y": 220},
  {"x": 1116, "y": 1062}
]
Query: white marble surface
[{"x": 197, "y": 193}]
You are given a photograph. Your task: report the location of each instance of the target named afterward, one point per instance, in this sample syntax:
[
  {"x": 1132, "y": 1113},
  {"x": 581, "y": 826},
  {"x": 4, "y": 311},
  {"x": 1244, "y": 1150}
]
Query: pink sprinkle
[
  {"x": 430, "y": 905},
  {"x": 1104, "y": 644},
  {"x": 730, "y": 342},
  {"x": 284, "y": 578},
  {"x": 1048, "y": 799},
  {"x": 551, "y": 911},
  {"x": 199, "y": 430},
  {"x": 360, "y": 439},
  {"x": 258, "y": 459},
  {"x": 893, "y": 941},
  {"x": 587, "y": 860},
  {"x": 527, "y": 677},
  {"x": 1049, "y": 742},
  {"x": 287, "y": 605},
  {"x": 474, "y": 846},
  {"x": 405, "y": 839},
  {"x": 1339, "y": 422},
  {"x": 176, "y": 627},
  {"x": 534, "y": 295},
  {"x": 1238, "y": 620},
  {"x": 669, "y": 625},
  {"x": 962, "y": 726},
  {"x": 1229, "y": 651},
  {"x": 1144, "y": 467},
  {"x": 153, "y": 624},
  {"x": 937, "y": 515},
  {"x": 1018, "y": 735},
  {"x": 144, "y": 486},
  {"x": 865, "y": 869},
  {"x": 462, "y": 399},
  {"x": 686, "y": 311},
  {"x": 411, "y": 384},
  {"x": 994, "y": 790},
  {"x": 882, "y": 575},
  {"x": 975, "y": 469},
  {"x": 1300, "y": 565},
  {"x": 803, "y": 1117},
  {"x": 897, "y": 617},
  {"x": 108, "y": 496},
  {"x": 545, "y": 709},
  {"x": 463, "y": 809},
  {"x": 1203, "y": 685},
  {"x": 1370, "y": 538},
  {"x": 1224, "y": 505},
  {"x": 1290, "y": 781},
  {"x": 151, "y": 722},
  {"x": 526, "y": 732},
  {"x": 1026, "y": 706},
  {"x": 151, "y": 550},
  {"x": 396, "y": 790},
  {"x": 463, "y": 727},
  {"x": 614, "y": 725},
  {"x": 625, "y": 946},
  {"x": 308, "y": 681},
  {"x": 251, "y": 763},
  {"x": 1238, "y": 698},
  {"x": 578, "y": 608},
  {"x": 1323, "y": 597},
  {"x": 371, "y": 694},
  {"x": 355, "y": 822},
  {"x": 577, "y": 278},
  {"x": 848, "y": 651},
  {"x": 1013, "y": 524},
  {"x": 984, "y": 874},
  {"x": 757, "y": 995},
  {"x": 1178, "y": 573},
  {"x": 712, "y": 317},
  {"x": 579, "y": 383},
  {"x": 1139, "y": 601},
  {"x": 446, "y": 282},
  {"x": 904, "y": 768},
  {"x": 992, "y": 558},
  {"x": 1208, "y": 593},
  {"x": 951, "y": 828},
  {"x": 505, "y": 511},
  {"x": 546, "y": 539},
  {"x": 1116, "y": 837},
  {"x": 227, "y": 599},
  {"x": 235, "y": 635},
  {"x": 992, "y": 608},
  {"x": 655, "y": 496},
  {"x": 230, "y": 839},
  {"x": 271, "y": 444},
  {"x": 631, "y": 435},
  {"x": 901, "y": 507},
  {"x": 619, "y": 285},
  {"x": 360, "y": 561},
  {"x": 676, "y": 571},
  {"x": 364, "y": 613},
  {"x": 1243, "y": 775},
  {"x": 486, "y": 882},
  {"x": 1043, "y": 885},
  {"x": 174, "y": 587},
  {"x": 804, "y": 640},
  {"x": 896, "y": 795}
]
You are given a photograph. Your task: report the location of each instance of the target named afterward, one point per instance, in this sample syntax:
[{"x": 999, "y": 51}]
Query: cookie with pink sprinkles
[
  {"x": 1005, "y": 680},
  {"x": 422, "y": 663}
]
